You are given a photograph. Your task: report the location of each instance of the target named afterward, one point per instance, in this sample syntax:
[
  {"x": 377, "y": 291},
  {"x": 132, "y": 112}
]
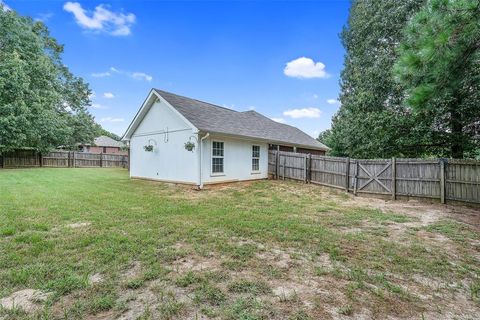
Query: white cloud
[
  {"x": 101, "y": 19},
  {"x": 101, "y": 74},
  {"x": 305, "y": 68},
  {"x": 302, "y": 113},
  {"x": 44, "y": 17},
  {"x": 333, "y": 101},
  {"x": 108, "y": 95},
  {"x": 279, "y": 120},
  {"x": 141, "y": 76},
  {"x": 111, "y": 119},
  {"x": 134, "y": 75}
]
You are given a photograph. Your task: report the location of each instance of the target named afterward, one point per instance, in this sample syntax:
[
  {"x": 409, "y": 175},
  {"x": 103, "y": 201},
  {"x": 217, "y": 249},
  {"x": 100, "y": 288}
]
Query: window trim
[
  {"x": 213, "y": 174},
  {"x": 258, "y": 158}
]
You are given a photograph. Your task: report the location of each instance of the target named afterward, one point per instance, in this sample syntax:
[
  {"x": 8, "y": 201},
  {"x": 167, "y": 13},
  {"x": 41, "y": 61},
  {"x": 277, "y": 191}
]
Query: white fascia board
[
  {"x": 269, "y": 141},
  {"x": 147, "y": 103}
]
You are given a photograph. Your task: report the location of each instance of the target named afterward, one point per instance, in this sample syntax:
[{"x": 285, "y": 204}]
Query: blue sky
[{"x": 281, "y": 58}]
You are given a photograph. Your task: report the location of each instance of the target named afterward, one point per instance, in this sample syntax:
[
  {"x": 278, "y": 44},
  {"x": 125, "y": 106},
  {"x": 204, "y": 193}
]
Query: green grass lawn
[{"x": 104, "y": 246}]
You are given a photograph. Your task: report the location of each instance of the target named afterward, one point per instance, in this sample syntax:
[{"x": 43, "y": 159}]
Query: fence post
[
  {"x": 305, "y": 159},
  {"x": 68, "y": 159},
  {"x": 394, "y": 178},
  {"x": 355, "y": 180},
  {"x": 101, "y": 160},
  {"x": 442, "y": 180},
  {"x": 277, "y": 165},
  {"x": 278, "y": 162},
  {"x": 74, "y": 161},
  {"x": 128, "y": 159},
  {"x": 40, "y": 158},
  {"x": 347, "y": 173},
  {"x": 284, "y": 165},
  {"x": 309, "y": 167}
]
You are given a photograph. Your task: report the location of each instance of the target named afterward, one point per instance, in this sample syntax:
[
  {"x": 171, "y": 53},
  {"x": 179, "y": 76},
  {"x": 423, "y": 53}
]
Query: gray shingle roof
[
  {"x": 104, "y": 141},
  {"x": 211, "y": 118}
]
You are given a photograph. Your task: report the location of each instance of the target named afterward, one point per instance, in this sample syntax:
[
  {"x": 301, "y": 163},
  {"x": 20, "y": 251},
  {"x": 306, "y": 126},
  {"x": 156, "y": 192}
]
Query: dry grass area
[{"x": 93, "y": 244}]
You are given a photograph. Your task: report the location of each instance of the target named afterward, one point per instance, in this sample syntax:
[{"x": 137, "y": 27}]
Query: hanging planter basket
[
  {"x": 150, "y": 145},
  {"x": 148, "y": 148},
  {"x": 189, "y": 146}
]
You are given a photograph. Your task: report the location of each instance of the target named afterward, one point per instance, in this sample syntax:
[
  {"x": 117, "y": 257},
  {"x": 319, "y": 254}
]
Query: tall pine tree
[
  {"x": 439, "y": 67},
  {"x": 372, "y": 121}
]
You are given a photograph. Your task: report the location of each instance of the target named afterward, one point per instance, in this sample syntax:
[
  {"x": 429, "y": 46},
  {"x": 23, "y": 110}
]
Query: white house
[{"x": 227, "y": 145}]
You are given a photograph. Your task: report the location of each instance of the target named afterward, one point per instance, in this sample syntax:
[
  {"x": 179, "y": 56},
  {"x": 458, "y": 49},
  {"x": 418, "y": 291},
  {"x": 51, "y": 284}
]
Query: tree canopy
[
  {"x": 409, "y": 86},
  {"x": 42, "y": 104},
  {"x": 371, "y": 121},
  {"x": 439, "y": 67}
]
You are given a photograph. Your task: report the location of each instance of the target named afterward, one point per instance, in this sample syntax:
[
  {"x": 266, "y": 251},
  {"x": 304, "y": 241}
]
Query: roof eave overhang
[{"x": 270, "y": 141}]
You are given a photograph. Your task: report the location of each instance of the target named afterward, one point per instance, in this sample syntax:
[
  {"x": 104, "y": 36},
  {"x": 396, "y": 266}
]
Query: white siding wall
[
  {"x": 169, "y": 161},
  {"x": 237, "y": 160}
]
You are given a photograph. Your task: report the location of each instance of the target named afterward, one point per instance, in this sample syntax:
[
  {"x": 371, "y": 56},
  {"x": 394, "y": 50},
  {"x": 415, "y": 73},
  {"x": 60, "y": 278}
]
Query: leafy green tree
[
  {"x": 324, "y": 136},
  {"x": 439, "y": 67},
  {"x": 372, "y": 120},
  {"x": 42, "y": 105},
  {"x": 102, "y": 132}
]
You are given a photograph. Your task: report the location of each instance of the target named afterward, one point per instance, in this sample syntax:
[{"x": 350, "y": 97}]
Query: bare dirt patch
[
  {"x": 426, "y": 213},
  {"x": 195, "y": 263},
  {"x": 28, "y": 300},
  {"x": 132, "y": 271},
  {"x": 158, "y": 300},
  {"x": 95, "y": 278}
]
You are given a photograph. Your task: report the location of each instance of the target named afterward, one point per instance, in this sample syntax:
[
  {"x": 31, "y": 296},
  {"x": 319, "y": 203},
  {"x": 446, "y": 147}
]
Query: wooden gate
[{"x": 373, "y": 176}]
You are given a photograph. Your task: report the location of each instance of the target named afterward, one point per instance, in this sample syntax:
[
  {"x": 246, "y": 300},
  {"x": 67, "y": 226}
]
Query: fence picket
[
  {"x": 428, "y": 178},
  {"x": 62, "y": 159}
]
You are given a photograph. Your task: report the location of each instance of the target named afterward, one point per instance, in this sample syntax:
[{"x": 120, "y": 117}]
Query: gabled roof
[
  {"x": 104, "y": 141},
  {"x": 211, "y": 118}
]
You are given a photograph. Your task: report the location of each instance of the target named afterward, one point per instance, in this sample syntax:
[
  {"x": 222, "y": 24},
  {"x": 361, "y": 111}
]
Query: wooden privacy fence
[
  {"x": 62, "y": 159},
  {"x": 443, "y": 179}
]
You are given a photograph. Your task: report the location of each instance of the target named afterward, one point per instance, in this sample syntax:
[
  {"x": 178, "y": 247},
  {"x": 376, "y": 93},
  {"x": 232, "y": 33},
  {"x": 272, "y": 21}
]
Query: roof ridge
[
  {"x": 209, "y": 103},
  {"x": 208, "y": 117},
  {"x": 283, "y": 124}
]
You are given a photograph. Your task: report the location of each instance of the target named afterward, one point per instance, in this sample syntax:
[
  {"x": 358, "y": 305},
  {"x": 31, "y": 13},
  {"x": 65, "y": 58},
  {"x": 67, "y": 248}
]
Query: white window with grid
[
  {"x": 256, "y": 158},
  {"x": 217, "y": 157}
]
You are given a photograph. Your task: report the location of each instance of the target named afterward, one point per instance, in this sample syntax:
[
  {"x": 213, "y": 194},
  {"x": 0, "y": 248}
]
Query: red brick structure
[{"x": 104, "y": 144}]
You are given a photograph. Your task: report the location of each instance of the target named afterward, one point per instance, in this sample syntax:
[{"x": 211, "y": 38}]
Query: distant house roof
[
  {"x": 104, "y": 141},
  {"x": 211, "y": 118}
]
